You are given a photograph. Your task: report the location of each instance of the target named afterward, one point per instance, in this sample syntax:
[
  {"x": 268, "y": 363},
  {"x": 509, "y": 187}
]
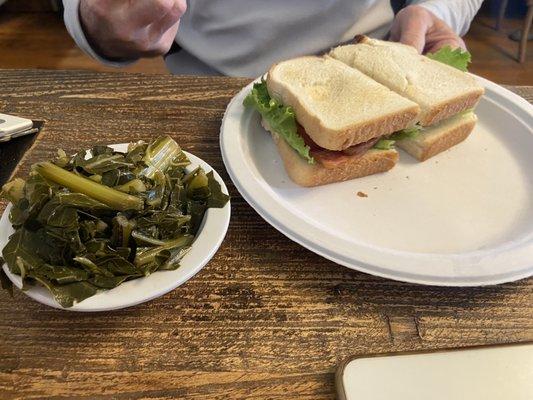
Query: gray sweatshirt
[{"x": 244, "y": 37}]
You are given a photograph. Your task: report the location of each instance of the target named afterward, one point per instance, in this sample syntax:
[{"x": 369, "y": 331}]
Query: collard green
[{"x": 84, "y": 224}]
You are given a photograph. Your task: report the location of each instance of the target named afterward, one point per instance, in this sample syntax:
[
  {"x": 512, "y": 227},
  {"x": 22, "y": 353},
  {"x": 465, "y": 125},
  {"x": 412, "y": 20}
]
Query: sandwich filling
[
  {"x": 418, "y": 130},
  {"x": 282, "y": 120},
  {"x": 330, "y": 158}
]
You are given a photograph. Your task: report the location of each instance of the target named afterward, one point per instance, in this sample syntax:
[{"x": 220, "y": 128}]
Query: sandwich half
[
  {"x": 328, "y": 120},
  {"x": 445, "y": 94}
]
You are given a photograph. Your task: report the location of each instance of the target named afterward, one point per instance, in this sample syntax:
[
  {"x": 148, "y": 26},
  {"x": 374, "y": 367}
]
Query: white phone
[
  {"x": 502, "y": 372},
  {"x": 10, "y": 124},
  {"x": 12, "y": 127}
]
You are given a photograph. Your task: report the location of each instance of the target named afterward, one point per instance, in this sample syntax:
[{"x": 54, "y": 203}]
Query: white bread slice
[
  {"x": 337, "y": 105},
  {"x": 439, "y": 89},
  {"x": 440, "y": 137}
]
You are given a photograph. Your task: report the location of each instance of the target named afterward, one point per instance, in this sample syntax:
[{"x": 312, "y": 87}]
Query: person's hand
[
  {"x": 131, "y": 29},
  {"x": 420, "y": 28}
]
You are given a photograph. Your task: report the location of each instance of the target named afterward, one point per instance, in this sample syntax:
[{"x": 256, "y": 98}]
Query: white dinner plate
[
  {"x": 462, "y": 218},
  {"x": 130, "y": 293}
]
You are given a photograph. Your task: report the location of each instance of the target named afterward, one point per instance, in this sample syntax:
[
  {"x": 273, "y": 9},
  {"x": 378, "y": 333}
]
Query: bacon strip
[{"x": 332, "y": 159}]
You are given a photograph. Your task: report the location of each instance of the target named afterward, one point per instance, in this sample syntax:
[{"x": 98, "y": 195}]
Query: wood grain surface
[{"x": 265, "y": 319}]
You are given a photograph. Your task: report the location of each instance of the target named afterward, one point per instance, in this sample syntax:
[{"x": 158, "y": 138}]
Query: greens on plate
[{"x": 93, "y": 220}]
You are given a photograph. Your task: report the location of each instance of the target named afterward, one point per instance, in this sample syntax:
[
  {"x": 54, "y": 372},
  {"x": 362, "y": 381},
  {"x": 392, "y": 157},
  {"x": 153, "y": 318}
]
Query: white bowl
[{"x": 130, "y": 293}]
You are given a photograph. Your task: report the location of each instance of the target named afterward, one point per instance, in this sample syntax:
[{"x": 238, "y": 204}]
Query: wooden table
[{"x": 265, "y": 319}]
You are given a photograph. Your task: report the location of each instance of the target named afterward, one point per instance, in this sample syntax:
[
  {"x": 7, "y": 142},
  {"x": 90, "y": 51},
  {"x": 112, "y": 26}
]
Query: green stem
[
  {"x": 147, "y": 256},
  {"x": 161, "y": 154},
  {"x": 78, "y": 184}
]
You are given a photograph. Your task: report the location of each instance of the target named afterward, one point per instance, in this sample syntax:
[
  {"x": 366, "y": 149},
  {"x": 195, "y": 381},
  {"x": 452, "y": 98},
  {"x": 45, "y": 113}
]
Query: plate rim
[
  {"x": 510, "y": 99},
  {"x": 36, "y": 293}
]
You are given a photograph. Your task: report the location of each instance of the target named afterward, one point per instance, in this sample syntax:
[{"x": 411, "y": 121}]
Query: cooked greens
[
  {"x": 84, "y": 224},
  {"x": 281, "y": 118}
]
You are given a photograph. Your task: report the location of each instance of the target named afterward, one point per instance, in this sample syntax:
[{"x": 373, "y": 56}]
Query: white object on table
[
  {"x": 9, "y": 124},
  {"x": 484, "y": 373}
]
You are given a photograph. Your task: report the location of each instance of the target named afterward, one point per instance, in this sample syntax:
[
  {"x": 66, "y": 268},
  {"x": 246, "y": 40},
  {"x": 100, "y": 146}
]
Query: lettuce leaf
[
  {"x": 457, "y": 58},
  {"x": 281, "y": 118},
  {"x": 388, "y": 142},
  {"x": 407, "y": 133},
  {"x": 384, "y": 144}
]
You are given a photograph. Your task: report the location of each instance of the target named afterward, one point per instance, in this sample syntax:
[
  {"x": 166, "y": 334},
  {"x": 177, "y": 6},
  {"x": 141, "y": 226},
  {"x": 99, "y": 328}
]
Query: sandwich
[
  {"x": 445, "y": 94},
  {"x": 330, "y": 121}
]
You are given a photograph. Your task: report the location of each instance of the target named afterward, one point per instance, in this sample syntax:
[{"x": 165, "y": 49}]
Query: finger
[
  {"x": 436, "y": 45},
  {"x": 171, "y": 18},
  {"x": 460, "y": 43},
  {"x": 146, "y": 12},
  {"x": 160, "y": 45},
  {"x": 413, "y": 33},
  {"x": 163, "y": 32},
  {"x": 394, "y": 34}
]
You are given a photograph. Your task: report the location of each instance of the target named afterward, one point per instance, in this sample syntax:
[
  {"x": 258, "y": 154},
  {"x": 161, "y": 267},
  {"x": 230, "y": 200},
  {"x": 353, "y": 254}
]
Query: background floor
[{"x": 39, "y": 40}]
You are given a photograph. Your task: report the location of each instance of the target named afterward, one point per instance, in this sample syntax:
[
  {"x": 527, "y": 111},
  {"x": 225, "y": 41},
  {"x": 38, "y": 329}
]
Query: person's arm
[
  {"x": 432, "y": 24},
  {"x": 117, "y": 33},
  {"x": 458, "y": 14}
]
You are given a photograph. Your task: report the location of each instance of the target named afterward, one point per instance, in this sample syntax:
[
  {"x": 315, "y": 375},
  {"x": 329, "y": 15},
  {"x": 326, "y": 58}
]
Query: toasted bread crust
[
  {"x": 305, "y": 174},
  {"x": 424, "y": 149},
  {"x": 448, "y": 109},
  {"x": 332, "y": 139},
  {"x": 360, "y": 39}
]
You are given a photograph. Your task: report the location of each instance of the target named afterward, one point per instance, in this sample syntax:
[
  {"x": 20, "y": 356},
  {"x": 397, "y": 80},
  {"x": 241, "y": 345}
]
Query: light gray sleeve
[
  {"x": 458, "y": 14},
  {"x": 73, "y": 24}
]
